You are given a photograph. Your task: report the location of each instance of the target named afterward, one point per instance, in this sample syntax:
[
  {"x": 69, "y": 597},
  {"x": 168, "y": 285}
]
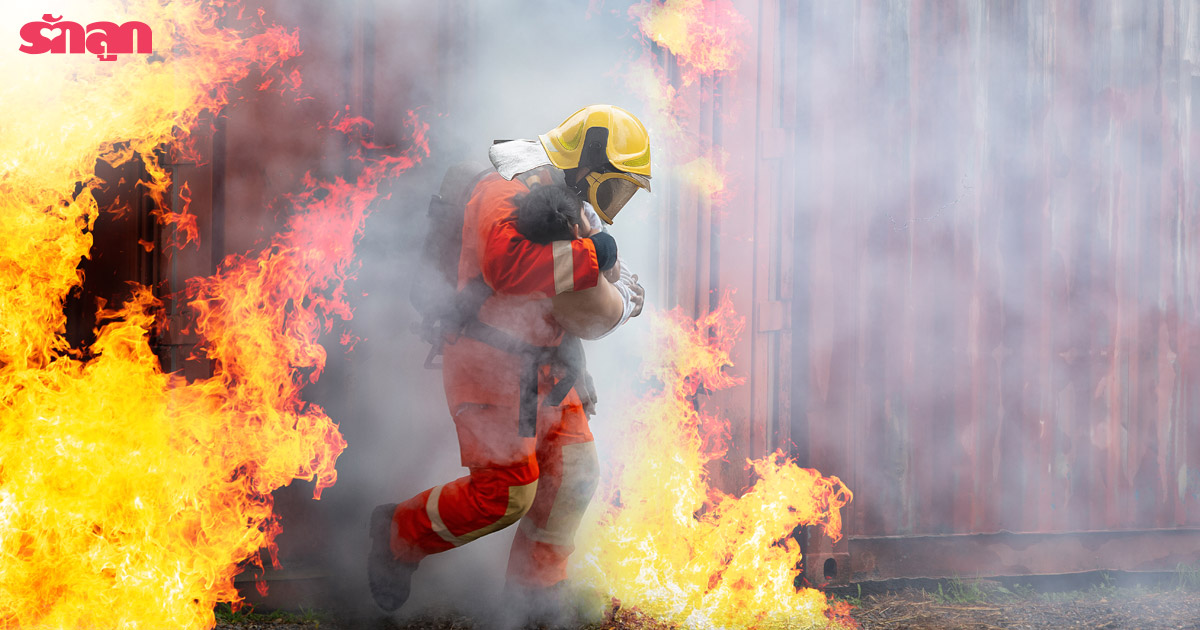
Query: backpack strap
[
  {"x": 459, "y": 315},
  {"x": 568, "y": 355},
  {"x": 454, "y": 319}
]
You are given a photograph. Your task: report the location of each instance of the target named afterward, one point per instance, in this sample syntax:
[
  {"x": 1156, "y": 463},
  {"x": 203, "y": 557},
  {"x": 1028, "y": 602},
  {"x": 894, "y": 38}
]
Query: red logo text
[{"x": 106, "y": 40}]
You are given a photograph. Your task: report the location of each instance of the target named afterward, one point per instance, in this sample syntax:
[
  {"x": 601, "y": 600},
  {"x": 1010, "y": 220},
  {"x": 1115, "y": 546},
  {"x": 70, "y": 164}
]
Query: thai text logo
[{"x": 106, "y": 40}]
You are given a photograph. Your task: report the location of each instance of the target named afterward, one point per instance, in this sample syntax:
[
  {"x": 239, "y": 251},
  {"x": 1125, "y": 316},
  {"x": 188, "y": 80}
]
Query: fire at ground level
[
  {"x": 1107, "y": 413},
  {"x": 1112, "y": 600}
]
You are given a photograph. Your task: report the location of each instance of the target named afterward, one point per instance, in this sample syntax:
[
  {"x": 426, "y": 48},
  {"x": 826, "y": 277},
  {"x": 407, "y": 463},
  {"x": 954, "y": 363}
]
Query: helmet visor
[{"x": 609, "y": 192}]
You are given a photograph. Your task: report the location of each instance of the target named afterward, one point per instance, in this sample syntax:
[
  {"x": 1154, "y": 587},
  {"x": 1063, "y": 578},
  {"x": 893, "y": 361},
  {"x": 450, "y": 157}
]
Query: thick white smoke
[{"x": 508, "y": 70}]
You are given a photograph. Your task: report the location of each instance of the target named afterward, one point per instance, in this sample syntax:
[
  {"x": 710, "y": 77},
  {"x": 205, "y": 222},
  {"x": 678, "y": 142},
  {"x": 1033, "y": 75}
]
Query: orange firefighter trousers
[{"x": 545, "y": 482}]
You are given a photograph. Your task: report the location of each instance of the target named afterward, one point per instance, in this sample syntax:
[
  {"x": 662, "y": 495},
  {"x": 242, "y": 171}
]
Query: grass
[
  {"x": 853, "y": 600},
  {"x": 1105, "y": 587},
  {"x": 226, "y": 614},
  {"x": 1096, "y": 585},
  {"x": 959, "y": 591},
  {"x": 1022, "y": 591},
  {"x": 1187, "y": 577}
]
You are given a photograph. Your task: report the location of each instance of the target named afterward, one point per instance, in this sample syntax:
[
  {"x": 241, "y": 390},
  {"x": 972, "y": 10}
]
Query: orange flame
[
  {"x": 666, "y": 108},
  {"x": 129, "y": 497},
  {"x": 674, "y": 547},
  {"x": 704, "y": 35}
]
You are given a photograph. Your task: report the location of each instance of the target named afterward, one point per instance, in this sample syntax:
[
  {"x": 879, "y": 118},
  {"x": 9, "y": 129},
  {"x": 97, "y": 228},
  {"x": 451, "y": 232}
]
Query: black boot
[{"x": 390, "y": 579}]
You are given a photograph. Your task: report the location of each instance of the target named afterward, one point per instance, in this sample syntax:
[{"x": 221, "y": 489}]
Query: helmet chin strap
[
  {"x": 592, "y": 159},
  {"x": 577, "y": 180}
]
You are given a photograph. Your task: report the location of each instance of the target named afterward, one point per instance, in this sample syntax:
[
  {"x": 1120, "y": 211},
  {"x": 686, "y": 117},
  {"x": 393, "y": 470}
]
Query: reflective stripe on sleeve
[{"x": 564, "y": 267}]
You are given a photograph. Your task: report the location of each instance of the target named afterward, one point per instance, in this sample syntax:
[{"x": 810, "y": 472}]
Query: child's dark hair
[{"x": 548, "y": 213}]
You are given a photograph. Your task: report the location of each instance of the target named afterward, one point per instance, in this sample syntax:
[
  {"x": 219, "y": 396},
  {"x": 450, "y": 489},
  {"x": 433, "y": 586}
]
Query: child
[{"x": 551, "y": 213}]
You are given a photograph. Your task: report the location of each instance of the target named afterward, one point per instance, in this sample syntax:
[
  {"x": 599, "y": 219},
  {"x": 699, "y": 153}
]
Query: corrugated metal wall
[
  {"x": 981, "y": 223},
  {"x": 965, "y": 239},
  {"x": 1022, "y": 348}
]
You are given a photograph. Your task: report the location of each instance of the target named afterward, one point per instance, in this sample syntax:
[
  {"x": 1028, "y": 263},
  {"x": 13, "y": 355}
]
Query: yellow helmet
[{"x": 605, "y": 152}]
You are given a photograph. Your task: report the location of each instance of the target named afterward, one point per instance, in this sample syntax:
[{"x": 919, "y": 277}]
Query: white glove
[
  {"x": 626, "y": 282},
  {"x": 624, "y": 286}
]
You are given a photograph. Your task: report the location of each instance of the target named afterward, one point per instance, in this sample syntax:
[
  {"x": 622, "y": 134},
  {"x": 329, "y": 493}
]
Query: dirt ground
[
  {"x": 1098, "y": 601},
  {"x": 1104, "y": 608}
]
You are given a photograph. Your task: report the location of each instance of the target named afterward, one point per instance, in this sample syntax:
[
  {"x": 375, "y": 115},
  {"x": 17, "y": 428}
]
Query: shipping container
[{"x": 965, "y": 237}]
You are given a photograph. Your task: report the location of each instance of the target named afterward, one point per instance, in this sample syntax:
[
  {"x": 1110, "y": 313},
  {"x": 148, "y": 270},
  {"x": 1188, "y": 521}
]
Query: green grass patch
[
  {"x": 957, "y": 591},
  {"x": 1187, "y": 577},
  {"x": 1019, "y": 591},
  {"x": 853, "y": 600},
  {"x": 1104, "y": 588},
  {"x": 226, "y": 614}
]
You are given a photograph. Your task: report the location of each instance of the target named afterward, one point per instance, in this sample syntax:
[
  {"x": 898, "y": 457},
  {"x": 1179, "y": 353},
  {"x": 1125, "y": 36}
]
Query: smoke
[
  {"x": 990, "y": 269},
  {"x": 994, "y": 294},
  {"x": 984, "y": 243},
  {"x": 501, "y": 70}
]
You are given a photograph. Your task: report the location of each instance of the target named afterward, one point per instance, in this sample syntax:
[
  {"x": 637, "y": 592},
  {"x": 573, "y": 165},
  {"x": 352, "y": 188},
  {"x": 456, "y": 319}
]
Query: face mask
[{"x": 609, "y": 192}]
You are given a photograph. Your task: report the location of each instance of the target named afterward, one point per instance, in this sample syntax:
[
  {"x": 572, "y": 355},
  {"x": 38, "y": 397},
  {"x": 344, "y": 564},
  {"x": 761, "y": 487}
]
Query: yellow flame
[
  {"x": 645, "y": 80},
  {"x": 671, "y": 545},
  {"x": 128, "y": 497},
  {"x": 705, "y": 37},
  {"x": 62, "y": 112},
  {"x": 704, "y": 174},
  {"x": 703, "y": 34}
]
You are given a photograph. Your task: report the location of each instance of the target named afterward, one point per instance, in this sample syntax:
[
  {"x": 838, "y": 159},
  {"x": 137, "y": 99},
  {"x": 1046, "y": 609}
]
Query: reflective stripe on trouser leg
[
  {"x": 413, "y": 537},
  {"x": 519, "y": 500},
  {"x": 545, "y": 537},
  {"x": 456, "y": 513},
  {"x": 580, "y": 474}
]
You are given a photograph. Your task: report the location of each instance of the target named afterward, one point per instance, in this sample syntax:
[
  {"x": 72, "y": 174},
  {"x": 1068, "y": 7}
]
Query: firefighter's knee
[
  {"x": 484, "y": 502},
  {"x": 581, "y": 475},
  {"x": 508, "y": 494},
  {"x": 520, "y": 499}
]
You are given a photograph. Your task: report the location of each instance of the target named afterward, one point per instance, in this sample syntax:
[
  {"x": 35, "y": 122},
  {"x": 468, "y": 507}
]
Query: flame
[
  {"x": 663, "y": 105},
  {"x": 704, "y": 35},
  {"x": 672, "y": 546},
  {"x": 129, "y": 497},
  {"x": 706, "y": 175}
]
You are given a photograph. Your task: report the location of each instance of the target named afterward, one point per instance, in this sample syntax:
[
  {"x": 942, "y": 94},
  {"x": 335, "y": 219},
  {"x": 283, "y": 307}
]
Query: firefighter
[{"x": 512, "y": 385}]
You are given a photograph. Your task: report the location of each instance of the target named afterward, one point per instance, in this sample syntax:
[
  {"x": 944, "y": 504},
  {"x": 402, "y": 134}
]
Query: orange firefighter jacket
[{"x": 520, "y": 272}]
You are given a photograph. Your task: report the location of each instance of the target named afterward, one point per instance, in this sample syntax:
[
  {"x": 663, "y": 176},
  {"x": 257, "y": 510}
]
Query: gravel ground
[
  {"x": 1115, "y": 609},
  {"x": 944, "y": 605}
]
